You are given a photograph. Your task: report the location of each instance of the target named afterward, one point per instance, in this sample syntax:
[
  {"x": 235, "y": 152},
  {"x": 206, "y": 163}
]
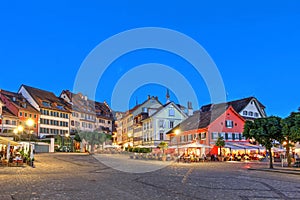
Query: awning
[
  {"x": 242, "y": 146},
  {"x": 5, "y": 141},
  {"x": 195, "y": 145}
]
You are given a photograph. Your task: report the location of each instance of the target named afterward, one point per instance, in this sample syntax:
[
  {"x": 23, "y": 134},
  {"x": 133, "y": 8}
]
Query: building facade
[
  {"x": 20, "y": 107},
  {"x": 158, "y": 123},
  {"x": 54, "y": 112}
]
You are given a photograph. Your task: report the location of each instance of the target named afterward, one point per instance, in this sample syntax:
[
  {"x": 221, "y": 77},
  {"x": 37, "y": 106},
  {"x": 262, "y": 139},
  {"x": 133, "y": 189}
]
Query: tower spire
[{"x": 168, "y": 96}]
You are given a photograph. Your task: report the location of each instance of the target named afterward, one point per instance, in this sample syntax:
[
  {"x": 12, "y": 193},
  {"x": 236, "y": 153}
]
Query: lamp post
[
  {"x": 177, "y": 132},
  {"x": 30, "y": 123},
  {"x": 19, "y": 129},
  {"x": 67, "y": 136}
]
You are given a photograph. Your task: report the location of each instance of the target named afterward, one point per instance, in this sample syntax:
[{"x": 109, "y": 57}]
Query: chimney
[
  {"x": 190, "y": 109},
  {"x": 148, "y": 97}
]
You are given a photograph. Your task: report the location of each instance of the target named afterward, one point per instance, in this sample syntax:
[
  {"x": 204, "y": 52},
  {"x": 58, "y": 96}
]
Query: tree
[
  {"x": 163, "y": 146},
  {"x": 220, "y": 143},
  {"x": 291, "y": 132},
  {"x": 265, "y": 131},
  {"x": 94, "y": 138}
]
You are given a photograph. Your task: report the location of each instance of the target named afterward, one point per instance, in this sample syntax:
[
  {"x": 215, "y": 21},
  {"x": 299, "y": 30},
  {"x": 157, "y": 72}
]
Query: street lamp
[
  {"x": 19, "y": 129},
  {"x": 30, "y": 123},
  {"x": 177, "y": 132}
]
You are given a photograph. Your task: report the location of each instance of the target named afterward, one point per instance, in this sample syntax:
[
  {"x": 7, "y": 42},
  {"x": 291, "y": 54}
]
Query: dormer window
[
  {"x": 245, "y": 113},
  {"x": 46, "y": 104},
  {"x": 60, "y": 107},
  {"x": 250, "y": 114}
]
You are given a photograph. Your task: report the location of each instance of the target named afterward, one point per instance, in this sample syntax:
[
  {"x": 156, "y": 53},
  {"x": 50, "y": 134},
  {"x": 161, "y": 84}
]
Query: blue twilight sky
[{"x": 254, "y": 44}]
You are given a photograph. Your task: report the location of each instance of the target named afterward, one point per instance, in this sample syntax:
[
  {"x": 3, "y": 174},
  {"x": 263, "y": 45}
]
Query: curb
[{"x": 282, "y": 171}]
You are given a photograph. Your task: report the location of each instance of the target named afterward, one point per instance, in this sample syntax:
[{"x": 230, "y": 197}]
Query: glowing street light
[{"x": 177, "y": 132}]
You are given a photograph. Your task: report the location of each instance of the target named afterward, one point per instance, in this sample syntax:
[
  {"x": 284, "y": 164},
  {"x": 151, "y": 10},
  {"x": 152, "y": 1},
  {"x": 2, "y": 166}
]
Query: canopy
[
  {"x": 242, "y": 146},
  {"x": 5, "y": 141},
  {"x": 195, "y": 145}
]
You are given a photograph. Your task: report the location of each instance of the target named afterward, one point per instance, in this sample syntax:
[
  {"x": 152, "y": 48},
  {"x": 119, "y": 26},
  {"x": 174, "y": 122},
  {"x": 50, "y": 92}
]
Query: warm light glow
[
  {"x": 15, "y": 131},
  {"x": 67, "y": 134},
  {"x": 284, "y": 143},
  {"x": 177, "y": 131},
  {"x": 20, "y": 128},
  {"x": 30, "y": 122}
]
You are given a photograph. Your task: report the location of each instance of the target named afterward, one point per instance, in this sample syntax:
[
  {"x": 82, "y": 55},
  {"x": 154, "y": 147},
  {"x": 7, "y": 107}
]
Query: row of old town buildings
[{"x": 145, "y": 125}]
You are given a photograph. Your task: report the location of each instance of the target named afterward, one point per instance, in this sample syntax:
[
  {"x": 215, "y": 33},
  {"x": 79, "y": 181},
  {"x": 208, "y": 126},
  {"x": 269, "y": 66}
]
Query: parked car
[{"x": 64, "y": 149}]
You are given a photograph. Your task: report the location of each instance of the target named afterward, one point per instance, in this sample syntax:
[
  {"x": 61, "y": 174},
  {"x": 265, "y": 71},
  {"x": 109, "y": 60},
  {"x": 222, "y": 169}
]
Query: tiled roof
[
  {"x": 19, "y": 101},
  {"x": 7, "y": 113},
  {"x": 46, "y": 99},
  {"x": 202, "y": 119},
  {"x": 81, "y": 104},
  {"x": 238, "y": 105}
]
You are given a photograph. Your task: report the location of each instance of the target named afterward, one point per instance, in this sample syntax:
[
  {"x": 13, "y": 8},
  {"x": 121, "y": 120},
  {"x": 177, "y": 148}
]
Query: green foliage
[
  {"x": 265, "y": 131},
  {"x": 77, "y": 137},
  {"x": 291, "y": 132},
  {"x": 291, "y": 127},
  {"x": 220, "y": 142}
]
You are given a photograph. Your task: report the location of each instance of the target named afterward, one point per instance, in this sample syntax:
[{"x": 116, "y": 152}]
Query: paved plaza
[{"x": 82, "y": 176}]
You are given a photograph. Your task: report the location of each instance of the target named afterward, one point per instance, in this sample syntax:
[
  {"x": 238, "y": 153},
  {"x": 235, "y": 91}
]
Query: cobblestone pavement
[{"x": 79, "y": 176}]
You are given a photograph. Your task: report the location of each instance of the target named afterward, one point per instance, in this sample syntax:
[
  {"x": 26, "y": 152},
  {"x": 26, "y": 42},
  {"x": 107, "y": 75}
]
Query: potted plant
[{"x": 163, "y": 146}]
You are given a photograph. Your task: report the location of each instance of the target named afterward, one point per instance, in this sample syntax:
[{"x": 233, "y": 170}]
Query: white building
[{"x": 159, "y": 122}]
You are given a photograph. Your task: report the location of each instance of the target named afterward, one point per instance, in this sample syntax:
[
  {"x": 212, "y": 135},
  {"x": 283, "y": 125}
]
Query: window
[
  {"x": 171, "y": 112},
  {"x": 240, "y": 136},
  {"x": 229, "y": 136},
  {"x": 25, "y": 114},
  {"x": 46, "y": 104},
  {"x": 190, "y": 137},
  {"x": 226, "y": 136},
  {"x": 229, "y": 123},
  {"x": 161, "y": 136},
  {"x": 245, "y": 113},
  {"x": 203, "y": 136},
  {"x": 171, "y": 125},
  {"x": 14, "y": 122},
  {"x": 21, "y": 114},
  {"x": 233, "y": 136},
  {"x": 256, "y": 114},
  {"x": 161, "y": 123},
  {"x": 250, "y": 113},
  {"x": 214, "y": 136}
]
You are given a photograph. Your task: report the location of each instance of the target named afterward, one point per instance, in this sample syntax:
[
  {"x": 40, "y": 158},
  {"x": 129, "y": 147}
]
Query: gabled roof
[
  {"x": 164, "y": 106},
  {"x": 202, "y": 119},
  {"x": 238, "y": 105},
  {"x": 18, "y": 100},
  {"x": 41, "y": 96},
  {"x": 140, "y": 105},
  {"x": 81, "y": 104}
]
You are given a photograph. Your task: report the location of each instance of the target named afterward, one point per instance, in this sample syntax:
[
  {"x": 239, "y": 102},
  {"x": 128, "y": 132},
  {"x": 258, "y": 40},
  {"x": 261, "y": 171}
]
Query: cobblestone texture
[{"x": 75, "y": 176}]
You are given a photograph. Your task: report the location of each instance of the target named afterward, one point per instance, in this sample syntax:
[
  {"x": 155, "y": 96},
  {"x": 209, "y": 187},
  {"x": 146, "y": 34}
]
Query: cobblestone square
[{"x": 82, "y": 176}]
